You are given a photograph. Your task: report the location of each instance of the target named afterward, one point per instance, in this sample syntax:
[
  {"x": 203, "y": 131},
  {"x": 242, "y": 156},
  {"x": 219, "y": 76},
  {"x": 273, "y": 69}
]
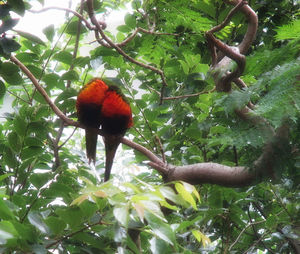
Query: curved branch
[
  {"x": 252, "y": 26},
  {"x": 87, "y": 24},
  {"x": 42, "y": 91},
  {"x": 117, "y": 48},
  {"x": 214, "y": 173}
]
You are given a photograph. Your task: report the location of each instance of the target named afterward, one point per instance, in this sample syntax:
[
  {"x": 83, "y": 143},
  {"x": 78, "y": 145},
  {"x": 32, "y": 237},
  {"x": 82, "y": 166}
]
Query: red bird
[{"x": 99, "y": 104}]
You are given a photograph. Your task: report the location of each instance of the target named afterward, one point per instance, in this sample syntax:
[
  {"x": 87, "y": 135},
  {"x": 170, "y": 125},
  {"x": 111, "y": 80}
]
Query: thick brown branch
[
  {"x": 214, "y": 173},
  {"x": 252, "y": 26}
]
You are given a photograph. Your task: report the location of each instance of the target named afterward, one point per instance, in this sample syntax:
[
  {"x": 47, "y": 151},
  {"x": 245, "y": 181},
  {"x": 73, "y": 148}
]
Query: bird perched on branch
[{"x": 100, "y": 103}]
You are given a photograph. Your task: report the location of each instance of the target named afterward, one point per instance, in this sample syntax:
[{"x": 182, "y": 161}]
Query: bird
[{"x": 101, "y": 103}]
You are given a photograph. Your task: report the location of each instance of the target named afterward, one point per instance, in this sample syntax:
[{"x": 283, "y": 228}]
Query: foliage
[{"x": 51, "y": 199}]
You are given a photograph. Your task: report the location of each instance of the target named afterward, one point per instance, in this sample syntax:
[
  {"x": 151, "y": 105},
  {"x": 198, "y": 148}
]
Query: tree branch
[
  {"x": 117, "y": 48},
  {"x": 42, "y": 91}
]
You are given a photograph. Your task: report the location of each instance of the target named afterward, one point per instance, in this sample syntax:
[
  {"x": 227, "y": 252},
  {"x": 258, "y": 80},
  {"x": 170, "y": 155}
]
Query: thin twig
[
  {"x": 73, "y": 233},
  {"x": 188, "y": 95},
  {"x": 117, "y": 48},
  {"x": 42, "y": 91},
  {"x": 18, "y": 97},
  {"x": 244, "y": 229},
  {"x": 68, "y": 138},
  {"x": 87, "y": 24}
]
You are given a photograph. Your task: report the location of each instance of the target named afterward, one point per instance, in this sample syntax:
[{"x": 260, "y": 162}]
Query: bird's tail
[
  {"x": 91, "y": 144},
  {"x": 111, "y": 145}
]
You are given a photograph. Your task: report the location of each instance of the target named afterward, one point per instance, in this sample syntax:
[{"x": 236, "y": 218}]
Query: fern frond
[{"x": 288, "y": 31}]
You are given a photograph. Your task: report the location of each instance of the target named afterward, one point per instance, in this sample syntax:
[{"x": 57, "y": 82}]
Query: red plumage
[{"x": 99, "y": 104}]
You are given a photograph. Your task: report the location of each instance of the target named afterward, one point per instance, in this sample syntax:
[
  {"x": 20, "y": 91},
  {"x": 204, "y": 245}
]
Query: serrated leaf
[
  {"x": 70, "y": 75},
  {"x": 10, "y": 158},
  {"x": 73, "y": 27},
  {"x": 33, "y": 141},
  {"x": 51, "y": 80},
  {"x": 38, "y": 180},
  {"x": 71, "y": 92},
  {"x": 5, "y": 212},
  {"x": 10, "y": 73},
  {"x": 31, "y": 37},
  {"x": 14, "y": 141},
  {"x": 64, "y": 57},
  {"x": 20, "y": 126},
  {"x": 55, "y": 224},
  {"x": 31, "y": 151}
]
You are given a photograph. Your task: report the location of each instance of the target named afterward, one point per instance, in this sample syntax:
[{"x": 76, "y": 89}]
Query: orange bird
[{"x": 99, "y": 104}]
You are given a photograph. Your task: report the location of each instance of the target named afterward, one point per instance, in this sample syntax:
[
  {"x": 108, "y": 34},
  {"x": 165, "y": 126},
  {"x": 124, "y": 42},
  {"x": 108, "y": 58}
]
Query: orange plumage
[{"x": 99, "y": 104}]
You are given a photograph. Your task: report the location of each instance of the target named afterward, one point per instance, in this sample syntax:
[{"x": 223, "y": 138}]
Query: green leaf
[
  {"x": 51, "y": 80},
  {"x": 2, "y": 89},
  {"x": 31, "y": 37},
  {"x": 36, "y": 220},
  {"x": 185, "y": 194},
  {"x": 200, "y": 237},
  {"x": 27, "y": 57},
  {"x": 10, "y": 73},
  {"x": 64, "y": 57},
  {"x": 31, "y": 151},
  {"x": 130, "y": 20},
  {"x": 18, "y": 6},
  {"x": 122, "y": 215},
  {"x": 38, "y": 180},
  {"x": 3, "y": 177},
  {"x": 158, "y": 246},
  {"x": 73, "y": 27},
  {"x": 7, "y": 231},
  {"x": 33, "y": 141},
  {"x": 20, "y": 126},
  {"x": 160, "y": 228},
  {"x": 72, "y": 216},
  {"x": 82, "y": 61},
  {"x": 289, "y": 31},
  {"x": 10, "y": 158},
  {"x": 49, "y": 32},
  {"x": 70, "y": 75},
  {"x": 68, "y": 93},
  {"x": 14, "y": 141},
  {"x": 55, "y": 224},
  {"x": 124, "y": 29},
  {"x": 5, "y": 212},
  {"x": 36, "y": 71}
]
